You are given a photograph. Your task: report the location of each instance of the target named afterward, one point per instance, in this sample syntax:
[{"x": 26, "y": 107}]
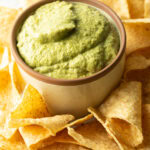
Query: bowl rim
[{"x": 68, "y": 82}]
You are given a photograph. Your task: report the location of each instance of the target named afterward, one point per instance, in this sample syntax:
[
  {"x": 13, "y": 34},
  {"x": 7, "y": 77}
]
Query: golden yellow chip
[
  {"x": 7, "y": 17},
  {"x": 41, "y": 134},
  {"x": 138, "y": 33},
  {"x": 32, "y": 105},
  {"x": 8, "y": 100},
  {"x": 136, "y": 8},
  {"x": 92, "y": 135},
  {"x": 34, "y": 135},
  {"x": 121, "y": 113},
  {"x": 52, "y": 124},
  {"x": 15, "y": 143},
  {"x": 35, "y": 131},
  {"x": 17, "y": 79},
  {"x": 147, "y": 9},
  {"x": 119, "y": 6},
  {"x": 60, "y": 146}
]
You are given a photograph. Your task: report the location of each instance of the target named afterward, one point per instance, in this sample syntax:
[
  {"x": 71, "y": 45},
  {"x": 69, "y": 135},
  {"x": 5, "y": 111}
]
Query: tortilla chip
[
  {"x": 138, "y": 34},
  {"x": 92, "y": 135},
  {"x": 138, "y": 69},
  {"x": 32, "y": 105},
  {"x": 28, "y": 115},
  {"x": 15, "y": 143},
  {"x": 63, "y": 137},
  {"x": 102, "y": 120},
  {"x": 119, "y": 6},
  {"x": 121, "y": 112},
  {"x": 7, "y": 17},
  {"x": 8, "y": 99},
  {"x": 147, "y": 9},
  {"x": 17, "y": 79},
  {"x": 60, "y": 146},
  {"x": 136, "y": 8},
  {"x": 41, "y": 133},
  {"x": 34, "y": 136},
  {"x": 52, "y": 124}
]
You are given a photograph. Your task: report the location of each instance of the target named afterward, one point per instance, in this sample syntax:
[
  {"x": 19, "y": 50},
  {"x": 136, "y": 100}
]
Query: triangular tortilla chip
[
  {"x": 8, "y": 99},
  {"x": 17, "y": 79},
  {"x": 52, "y": 124},
  {"x": 7, "y": 17},
  {"x": 136, "y": 8},
  {"x": 102, "y": 120},
  {"x": 147, "y": 9},
  {"x": 34, "y": 135},
  {"x": 28, "y": 115},
  {"x": 44, "y": 137},
  {"x": 62, "y": 146},
  {"x": 121, "y": 113},
  {"x": 119, "y": 6},
  {"x": 138, "y": 34},
  {"x": 32, "y": 105},
  {"x": 41, "y": 134},
  {"x": 15, "y": 143},
  {"x": 92, "y": 135},
  {"x": 138, "y": 69}
]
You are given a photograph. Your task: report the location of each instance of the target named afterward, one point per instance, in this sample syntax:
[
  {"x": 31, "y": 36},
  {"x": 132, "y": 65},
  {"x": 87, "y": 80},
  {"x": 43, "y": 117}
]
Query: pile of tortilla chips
[{"x": 122, "y": 122}]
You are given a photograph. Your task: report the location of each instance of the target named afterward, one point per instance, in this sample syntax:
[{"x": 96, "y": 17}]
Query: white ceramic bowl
[{"x": 73, "y": 96}]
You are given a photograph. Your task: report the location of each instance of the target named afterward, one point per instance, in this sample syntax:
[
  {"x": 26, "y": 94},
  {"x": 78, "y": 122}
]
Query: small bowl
[{"x": 73, "y": 96}]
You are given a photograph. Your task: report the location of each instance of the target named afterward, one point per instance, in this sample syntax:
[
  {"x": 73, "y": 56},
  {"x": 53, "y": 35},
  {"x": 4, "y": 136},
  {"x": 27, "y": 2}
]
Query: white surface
[{"x": 12, "y": 3}]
